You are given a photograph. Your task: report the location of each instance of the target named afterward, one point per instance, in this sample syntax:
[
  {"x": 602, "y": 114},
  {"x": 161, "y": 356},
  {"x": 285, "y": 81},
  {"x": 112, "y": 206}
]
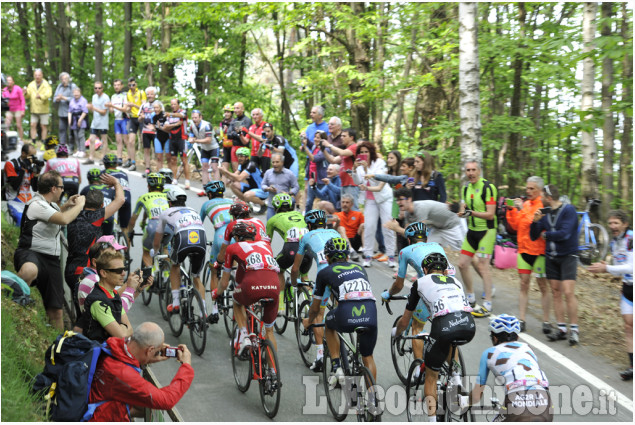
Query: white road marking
[{"x": 578, "y": 370}]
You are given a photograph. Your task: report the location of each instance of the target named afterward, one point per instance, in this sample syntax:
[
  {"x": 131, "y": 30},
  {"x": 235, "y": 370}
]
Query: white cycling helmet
[{"x": 175, "y": 193}]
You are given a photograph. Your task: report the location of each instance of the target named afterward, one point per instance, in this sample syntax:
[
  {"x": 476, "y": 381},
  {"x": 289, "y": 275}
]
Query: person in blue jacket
[{"x": 329, "y": 193}]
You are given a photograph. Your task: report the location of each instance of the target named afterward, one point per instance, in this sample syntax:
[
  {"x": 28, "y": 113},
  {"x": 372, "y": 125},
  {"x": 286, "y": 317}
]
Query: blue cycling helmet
[
  {"x": 315, "y": 218},
  {"x": 504, "y": 323},
  {"x": 416, "y": 230},
  {"x": 215, "y": 187}
]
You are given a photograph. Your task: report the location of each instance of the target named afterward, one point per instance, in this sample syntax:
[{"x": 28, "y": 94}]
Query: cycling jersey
[
  {"x": 203, "y": 131},
  {"x": 622, "y": 252},
  {"x": 183, "y": 227},
  {"x": 516, "y": 362},
  {"x": 125, "y": 210},
  {"x": 217, "y": 210},
  {"x": 137, "y": 98},
  {"x": 109, "y": 196},
  {"x": 121, "y": 176},
  {"x": 413, "y": 255},
  {"x": 348, "y": 282},
  {"x": 312, "y": 243},
  {"x": 289, "y": 225},
  {"x": 148, "y": 113},
  {"x": 261, "y": 232},
  {"x": 251, "y": 256},
  {"x": 153, "y": 203},
  {"x": 477, "y": 197},
  {"x": 255, "y": 176},
  {"x": 441, "y": 294},
  {"x": 67, "y": 167}
]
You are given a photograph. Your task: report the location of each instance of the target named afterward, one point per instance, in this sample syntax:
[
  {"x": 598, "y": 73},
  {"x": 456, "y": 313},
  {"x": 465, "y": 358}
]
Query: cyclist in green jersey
[
  {"x": 290, "y": 225},
  {"x": 479, "y": 207},
  {"x": 152, "y": 204}
]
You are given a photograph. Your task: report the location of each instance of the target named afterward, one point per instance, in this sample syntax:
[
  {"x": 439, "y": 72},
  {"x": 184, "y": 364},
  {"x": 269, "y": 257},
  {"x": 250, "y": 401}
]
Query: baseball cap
[{"x": 111, "y": 240}]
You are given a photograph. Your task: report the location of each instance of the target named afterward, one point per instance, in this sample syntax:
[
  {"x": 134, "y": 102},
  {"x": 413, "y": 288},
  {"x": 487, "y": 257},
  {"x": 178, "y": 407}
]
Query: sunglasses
[
  {"x": 98, "y": 88},
  {"x": 117, "y": 270},
  {"x": 132, "y": 85}
]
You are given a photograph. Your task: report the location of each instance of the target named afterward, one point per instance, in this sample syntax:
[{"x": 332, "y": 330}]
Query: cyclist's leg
[
  {"x": 124, "y": 215},
  {"x": 485, "y": 249},
  {"x": 332, "y": 339},
  {"x": 197, "y": 254},
  {"x": 525, "y": 265},
  {"x": 541, "y": 280}
]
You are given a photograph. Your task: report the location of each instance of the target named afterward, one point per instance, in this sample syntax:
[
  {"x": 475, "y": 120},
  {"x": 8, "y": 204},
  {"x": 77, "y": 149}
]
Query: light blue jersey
[
  {"x": 312, "y": 243},
  {"x": 517, "y": 363},
  {"x": 414, "y": 254},
  {"x": 217, "y": 210}
]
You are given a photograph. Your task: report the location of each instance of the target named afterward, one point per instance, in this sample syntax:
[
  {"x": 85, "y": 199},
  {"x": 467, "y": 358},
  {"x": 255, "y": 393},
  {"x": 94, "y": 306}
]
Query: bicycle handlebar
[{"x": 392, "y": 297}]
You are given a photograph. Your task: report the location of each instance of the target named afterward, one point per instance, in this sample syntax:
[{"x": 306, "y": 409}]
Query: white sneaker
[
  {"x": 338, "y": 376},
  {"x": 81, "y": 154},
  {"x": 366, "y": 262},
  {"x": 187, "y": 184},
  {"x": 392, "y": 264}
]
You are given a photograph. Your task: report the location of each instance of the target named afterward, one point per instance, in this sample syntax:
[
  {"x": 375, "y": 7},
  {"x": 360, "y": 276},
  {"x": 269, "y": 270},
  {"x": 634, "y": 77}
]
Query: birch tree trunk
[
  {"x": 148, "y": 16},
  {"x": 99, "y": 49},
  {"x": 469, "y": 96},
  {"x": 166, "y": 40},
  {"x": 127, "y": 41},
  {"x": 608, "y": 129},
  {"x": 589, "y": 148},
  {"x": 626, "y": 149}
]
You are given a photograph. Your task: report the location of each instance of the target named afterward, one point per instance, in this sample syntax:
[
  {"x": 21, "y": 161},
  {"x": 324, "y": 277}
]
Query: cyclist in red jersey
[
  {"x": 240, "y": 212},
  {"x": 256, "y": 278}
]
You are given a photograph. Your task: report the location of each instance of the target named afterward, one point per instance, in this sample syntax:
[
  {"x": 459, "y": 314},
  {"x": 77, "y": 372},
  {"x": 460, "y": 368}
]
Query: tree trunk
[
  {"x": 203, "y": 66},
  {"x": 608, "y": 129},
  {"x": 37, "y": 30},
  {"x": 280, "y": 36},
  {"x": 243, "y": 55},
  {"x": 378, "y": 127},
  {"x": 626, "y": 149},
  {"x": 99, "y": 48},
  {"x": 406, "y": 72},
  {"x": 589, "y": 148},
  {"x": 358, "y": 57},
  {"x": 64, "y": 30},
  {"x": 469, "y": 100},
  {"x": 26, "y": 45},
  {"x": 147, "y": 15},
  {"x": 166, "y": 39},
  {"x": 51, "y": 41},
  {"x": 127, "y": 41},
  {"x": 515, "y": 108}
]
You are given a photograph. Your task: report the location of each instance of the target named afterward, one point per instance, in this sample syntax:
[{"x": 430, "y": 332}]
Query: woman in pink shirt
[{"x": 14, "y": 93}]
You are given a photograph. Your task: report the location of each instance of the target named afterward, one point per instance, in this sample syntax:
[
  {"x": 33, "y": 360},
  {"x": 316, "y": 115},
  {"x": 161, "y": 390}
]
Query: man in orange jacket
[{"x": 531, "y": 254}]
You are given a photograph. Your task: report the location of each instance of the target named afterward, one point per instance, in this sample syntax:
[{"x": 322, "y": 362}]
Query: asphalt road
[{"x": 584, "y": 387}]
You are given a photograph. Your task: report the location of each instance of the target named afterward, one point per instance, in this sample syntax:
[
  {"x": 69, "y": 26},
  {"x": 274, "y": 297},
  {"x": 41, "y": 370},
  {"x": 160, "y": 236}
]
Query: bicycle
[
  {"x": 448, "y": 409},
  {"x": 194, "y": 161},
  {"x": 191, "y": 313},
  {"x": 593, "y": 239},
  {"x": 292, "y": 300},
  {"x": 259, "y": 362},
  {"x": 161, "y": 285},
  {"x": 358, "y": 389},
  {"x": 401, "y": 349},
  {"x": 224, "y": 301}
]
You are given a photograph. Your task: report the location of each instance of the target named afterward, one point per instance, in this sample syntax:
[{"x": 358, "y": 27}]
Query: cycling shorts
[
  {"x": 108, "y": 227},
  {"x": 257, "y": 191},
  {"x": 528, "y": 263},
  {"x": 177, "y": 147},
  {"x": 133, "y": 125},
  {"x": 148, "y": 140},
  {"x": 161, "y": 146},
  {"x": 207, "y": 155},
  {"x": 71, "y": 185},
  {"x": 234, "y": 158},
  {"x": 256, "y": 285},
  {"x": 190, "y": 243},
  {"x": 121, "y": 126},
  {"x": 286, "y": 257},
  {"x": 219, "y": 237},
  {"x": 626, "y": 301},
  {"x": 349, "y": 315},
  {"x": 445, "y": 330},
  {"x": 562, "y": 268},
  {"x": 479, "y": 242},
  {"x": 125, "y": 211},
  {"x": 227, "y": 155},
  {"x": 533, "y": 405},
  {"x": 148, "y": 234}
]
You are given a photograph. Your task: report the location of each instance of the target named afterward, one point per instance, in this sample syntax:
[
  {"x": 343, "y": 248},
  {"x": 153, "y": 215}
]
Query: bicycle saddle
[
  {"x": 360, "y": 330},
  {"x": 266, "y": 300},
  {"x": 460, "y": 341}
]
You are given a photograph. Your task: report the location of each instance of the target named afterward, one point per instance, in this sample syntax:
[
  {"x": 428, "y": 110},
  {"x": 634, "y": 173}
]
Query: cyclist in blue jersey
[
  {"x": 110, "y": 162},
  {"x": 246, "y": 182},
  {"x": 312, "y": 243},
  {"x": 216, "y": 208},
  {"x": 412, "y": 255},
  {"x": 527, "y": 397}
]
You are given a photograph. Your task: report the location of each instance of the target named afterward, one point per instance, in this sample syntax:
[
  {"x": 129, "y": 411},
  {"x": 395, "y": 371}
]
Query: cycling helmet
[
  {"x": 336, "y": 248},
  {"x": 417, "y": 231},
  {"x": 49, "y": 154},
  {"x": 155, "y": 181},
  {"x": 176, "y": 194},
  {"x": 93, "y": 174},
  {"x": 62, "y": 149},
  {"x": 504, "y": 323},
  {"x": 434, "y": 261},
  {"x": 315, "y": 217},
  {"x": 244, "y": 230},
  {"x": 110, "y": 160},
  {"x": 51, "y": 142},
  {"x": 282, "y": 202},
  {"x": 243, "y": 151},
  {"x": 239, "y": 210},
  {"x": 215, "y": 187},
  {"x": 167, "y": 174},
  {"x": 228, "y": 108}
]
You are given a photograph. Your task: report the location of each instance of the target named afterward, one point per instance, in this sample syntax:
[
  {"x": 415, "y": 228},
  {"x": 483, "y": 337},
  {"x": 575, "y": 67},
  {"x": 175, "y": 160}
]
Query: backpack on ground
[{"x": 16, "y": 288}]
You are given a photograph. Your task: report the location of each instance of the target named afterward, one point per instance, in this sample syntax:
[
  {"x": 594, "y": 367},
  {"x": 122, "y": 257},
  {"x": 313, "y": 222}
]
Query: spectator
[
  {"x": 223, "y": 131},
  {"x": 162, "y": 140},
  {"x": 335, "y": 133},
  {"x": 317, "y": 116},
  {"x": 622, "y": 253},
  {"x": 559, "y": 228},
  {"x": 236, "y": 134},
  {"x": 200, "y": 131},
  {"x": 316, "y": 166},
  {"x": 122, "y": 389},
  {"x": 86, "y": 228},
  {"x": 99, "y": 125},
  {"x": 63, "y": 95},
  {"x": 444, "y": 227},
  {"x": 350, "y": 224},
  {"x": 378, "y": 201},
  {"x": 262, "y": 157},
  {"x": 37, "y": 257},
  {"x": 17, "y": 105},
  {"x": 278, "y": 180},
  {"x": 278, "y": 144},
  {"x": 429, "y": 183},
  {"x": 531, "y": 254},
  {"x": 345, "y": 157},
  {"x": 20, "y": 175},
  {"x": 175, "y": 124},
  {"x": 117, "y": 106},
  {"x": 39, "y": 92},
  {"x": 134, "y": 99},
  {"x": 148, "y": 131},
  {"x": 69, "y": 169},
  {"x": 77, "y": 112},
  {"x": 330, "y": 191},
  {"x": 246, "y": 181}
]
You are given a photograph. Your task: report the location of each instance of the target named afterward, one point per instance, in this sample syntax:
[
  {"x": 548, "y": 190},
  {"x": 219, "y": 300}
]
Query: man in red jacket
[{"x": 118, "y": 382}]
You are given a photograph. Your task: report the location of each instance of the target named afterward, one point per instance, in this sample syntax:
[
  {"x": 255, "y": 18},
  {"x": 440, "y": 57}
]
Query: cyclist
[
  {"x": 290, "y": 225},
  {"x": 256, "y": 278},
  {"x": 217, "y": 209},
  {"x": 451, "y": 321},
  {"x": 68, "y": 168},
  {"x": 110, "y": 162},
  {"x": 527, "y": 397},
  {"x": 168, "y": 175},
  {"x": 246, "y": 180},
  {"x": 152, "y": 204},
  {"x": 182, "y": 228},
  {"x": 94, "y": 182},
  {"x": 356, "y": 307},
  {"x": 312, "y": 243},
  {"x": 412, "y": 255}
]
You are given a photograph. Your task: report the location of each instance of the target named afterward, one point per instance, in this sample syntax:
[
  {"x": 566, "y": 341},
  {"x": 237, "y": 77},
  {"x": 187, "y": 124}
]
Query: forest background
[{"x": 389, "y": 70}]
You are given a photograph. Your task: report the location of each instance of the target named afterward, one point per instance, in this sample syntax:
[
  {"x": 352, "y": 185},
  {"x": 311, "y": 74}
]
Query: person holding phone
[
  {"x": 345, "y": 157},
  {"x": 317, "y": 165},
  {"x": 531, "y": 254}
]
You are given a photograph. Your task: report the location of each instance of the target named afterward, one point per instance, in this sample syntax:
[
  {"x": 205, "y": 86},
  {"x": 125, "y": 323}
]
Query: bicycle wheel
[
  {"x": 402, "y": 355},
  {"x": 367, "y": 405},
  {"x": 416, "y": 408},
  {"x": 453, "y": 412},
  {"x": 164, "y": 288},
  {"x": 146, "y": 296},
  {"x": 301, "y": 296},
  {"x": 270, "y": 384},
  {"x": 304, "y": 341},
  {"x": 335, "y": 393},
  {"x": 121, "y": 240},
  {"x": 197, "y": 322},
  {"x": 594, "y": 247},
  {"x": 228, "y": 307},
  {"x": 284, "y": 310},
  {"x": 241, "y": 365}
]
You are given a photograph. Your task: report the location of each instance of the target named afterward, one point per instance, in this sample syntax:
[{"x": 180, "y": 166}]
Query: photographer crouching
[{"x": 21, "y": 174}]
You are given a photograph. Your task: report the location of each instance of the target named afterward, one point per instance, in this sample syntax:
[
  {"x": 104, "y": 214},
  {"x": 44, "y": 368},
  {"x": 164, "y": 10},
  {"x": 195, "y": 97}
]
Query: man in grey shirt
[
  {"x": 99, "y": 126},
  {"x": 63, "y": 95},
  {"x": 277, "y": 180},
  {"x": 444, "y": 226}
]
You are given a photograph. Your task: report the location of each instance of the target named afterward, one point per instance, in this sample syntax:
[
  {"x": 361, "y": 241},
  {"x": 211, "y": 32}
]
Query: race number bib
[
  {"x": 321, "y": 258},
  {"x": 254, "y": 261},
  {"x": 356, "y": 289},
  {"x": 294, "y": 234},
  {"x": 449, "y": 304}
]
